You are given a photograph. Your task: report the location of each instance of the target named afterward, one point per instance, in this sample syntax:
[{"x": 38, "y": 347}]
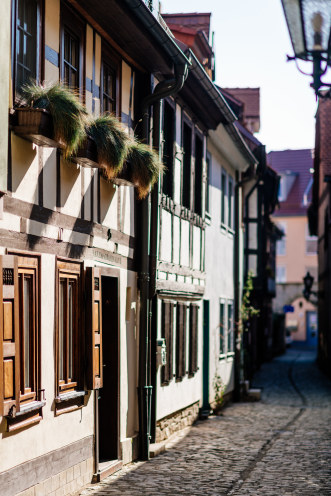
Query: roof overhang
[
  {"x": 203, "y": 97},
  {"x": 228, "y": 142},
  {"x": 131, "y": 28}
]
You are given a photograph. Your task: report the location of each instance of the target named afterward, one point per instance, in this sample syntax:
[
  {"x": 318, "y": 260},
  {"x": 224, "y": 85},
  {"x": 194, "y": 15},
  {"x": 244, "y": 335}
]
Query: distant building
[{"x": 297, "y": 250}]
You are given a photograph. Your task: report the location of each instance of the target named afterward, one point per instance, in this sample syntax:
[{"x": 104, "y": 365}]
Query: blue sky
[{"x": 251, "y": 43}]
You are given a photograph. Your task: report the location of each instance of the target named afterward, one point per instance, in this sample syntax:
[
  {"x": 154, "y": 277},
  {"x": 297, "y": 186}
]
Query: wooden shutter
[
  {"x": 93, "y": 321},
  {"x": 193, "y": 346},
  {"x": 167, "y": 334},
  {"x": 9, "y": 336},
  {"x": 181, "y": 341}
]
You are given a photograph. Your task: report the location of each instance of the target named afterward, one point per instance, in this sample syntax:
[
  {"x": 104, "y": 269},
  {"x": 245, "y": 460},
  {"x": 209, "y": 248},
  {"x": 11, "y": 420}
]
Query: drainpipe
[{"x": 162, "y": 90}]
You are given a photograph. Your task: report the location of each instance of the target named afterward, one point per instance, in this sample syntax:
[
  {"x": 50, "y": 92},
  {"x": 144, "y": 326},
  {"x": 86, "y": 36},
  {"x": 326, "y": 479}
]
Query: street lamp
[
  {"x": 308, "y": 282},
  {"x": 309, "y": 24}
]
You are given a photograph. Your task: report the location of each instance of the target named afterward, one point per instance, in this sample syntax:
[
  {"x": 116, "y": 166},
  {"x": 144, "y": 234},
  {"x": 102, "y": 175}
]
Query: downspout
[{"x": 162, "y": 90}]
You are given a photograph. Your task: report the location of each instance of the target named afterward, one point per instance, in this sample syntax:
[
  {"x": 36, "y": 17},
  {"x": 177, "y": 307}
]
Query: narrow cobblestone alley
[{"x": 279, "y": 446}]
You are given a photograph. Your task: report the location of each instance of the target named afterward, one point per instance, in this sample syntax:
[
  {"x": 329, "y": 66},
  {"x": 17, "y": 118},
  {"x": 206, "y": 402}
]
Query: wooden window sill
[
  {"x": 222, "y": 356},
  {"x": 14, "y": 425}
]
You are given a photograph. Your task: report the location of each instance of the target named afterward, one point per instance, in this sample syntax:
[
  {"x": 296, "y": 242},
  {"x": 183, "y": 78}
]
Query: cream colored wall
[
  {"x": 117, "y": 212},
  {"x": 5, "y": 9},
  {"x": 52, "y": 36},
  {"x": 295, "y": 260},
  {"x": 219, "y": 270},
  {"x": 296, "y": 321},
  {"x": 178, "y": 395},
  {"x": 52, "y": 432}
]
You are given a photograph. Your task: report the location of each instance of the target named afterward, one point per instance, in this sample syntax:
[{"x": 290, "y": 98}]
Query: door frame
[{"x": 114, "y": 273}]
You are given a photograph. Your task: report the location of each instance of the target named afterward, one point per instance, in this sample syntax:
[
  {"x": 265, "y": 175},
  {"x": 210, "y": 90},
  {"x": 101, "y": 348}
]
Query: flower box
[
  {"x": 36, "y": 125},
  {"x": 124, "y": 177},
  {"x": 87, "y": 154}
]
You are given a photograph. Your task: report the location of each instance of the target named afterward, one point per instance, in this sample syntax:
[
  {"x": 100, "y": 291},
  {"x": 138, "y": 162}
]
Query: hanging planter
[
  {"x": 141, "y": 169},
  {"x": 87, "y": 154},
  {"x": 53, "y": 116}
]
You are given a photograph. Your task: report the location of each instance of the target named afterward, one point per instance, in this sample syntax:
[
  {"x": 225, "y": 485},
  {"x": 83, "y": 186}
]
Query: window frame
[
  {"x": 75, "y": 26},
  {"x": 39, "y": 45},
  {"x": 230, "y": 328},
  {"x": 208, "y": 175},
  {"x": 224, "y": 194},
  {"x": 230, "y": 202},
  {"x": 181, "y": 328},
  {"x": 172, "y": 107},
  {"x": 67, "y": 270},
  {"x": 198, "y": 180},
  {"x": 31, "y": 401},
  {"x": 113, "y": 61},
  {"x": 222, "y": 326},
  {"x": 187, "y": 123}
]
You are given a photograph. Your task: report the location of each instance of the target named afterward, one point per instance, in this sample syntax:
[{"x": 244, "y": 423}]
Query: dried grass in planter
[
  {"x": 68, "y": 113},
  {"x": 112, "y": 143},
  {"x": 145, "y": 167}
]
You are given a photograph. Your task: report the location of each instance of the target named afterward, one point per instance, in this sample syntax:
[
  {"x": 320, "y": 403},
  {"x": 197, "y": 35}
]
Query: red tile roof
[
  {"x": 298, "y": 162},
  {"x": 250, "y": 98}
]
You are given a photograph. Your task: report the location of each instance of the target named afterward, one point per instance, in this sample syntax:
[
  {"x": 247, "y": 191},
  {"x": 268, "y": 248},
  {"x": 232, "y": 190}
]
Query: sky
[{"x": 251, "y": 43}]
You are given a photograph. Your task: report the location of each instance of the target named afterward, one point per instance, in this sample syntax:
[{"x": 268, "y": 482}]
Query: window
[
  {"x": 20, "y": 392},
  {"x": 167, "y": 311},
  {"x": 222, "y": 327},
  {"x": 230, "y": 203},
  {"x": 26, "y": 26},
  {"x": 223, "y": 197},
  {"x": 193, "y": 339},
  {"x": 311, "y": 243},
  {"x": 281, "y": 243},
  {"x": 230, "y": 328},
  {"x": 168, "y": 148},
  {"x": 72, "y": 38},
  {"x": 181, "y": 341},
  {"x": 69, "y": 326},
  {"x": 187, "y": 151},
  {"x": 108, "y": 88},
  {"x": 280, "y": 274},
  {"x": 207, "y": 198},
  {"x": 198, "y": 175}
]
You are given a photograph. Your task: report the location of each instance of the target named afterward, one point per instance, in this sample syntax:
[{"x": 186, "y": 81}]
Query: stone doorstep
[
  {"x": 156, "y": 449},
  {"x": 254, "y": 394}
]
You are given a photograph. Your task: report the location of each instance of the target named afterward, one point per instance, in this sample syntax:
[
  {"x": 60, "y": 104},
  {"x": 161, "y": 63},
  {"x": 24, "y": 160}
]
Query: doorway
[
  {"x": 108, "y": 398},
  {"x": 312, "y": 330}
]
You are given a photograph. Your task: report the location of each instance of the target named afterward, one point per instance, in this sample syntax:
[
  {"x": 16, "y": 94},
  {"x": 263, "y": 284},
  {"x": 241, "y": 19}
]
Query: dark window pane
[
  {"x": 198, "y": 176},
  {"x": 168, "y": 148},
  {"x": 222, "y": 329},
  {"x": 26, "y": 41},
  {"x": 61, "y": 328},
  {"x": 70, "y": 327},
  {"x": 27, "y": 330},
  {"x": 223, "y": 194},
  {"x": 187, "y": 149}
]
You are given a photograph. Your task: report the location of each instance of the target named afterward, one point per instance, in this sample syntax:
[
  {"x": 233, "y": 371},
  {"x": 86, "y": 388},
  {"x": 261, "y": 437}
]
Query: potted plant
[
  {"x": 141, "y": 168},
  {"x": 105, "y": 145},
  {"x": 51, "y": 116}
]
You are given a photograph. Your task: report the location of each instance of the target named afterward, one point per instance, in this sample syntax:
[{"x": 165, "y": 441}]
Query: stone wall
[{"x": 175, "y": 422}]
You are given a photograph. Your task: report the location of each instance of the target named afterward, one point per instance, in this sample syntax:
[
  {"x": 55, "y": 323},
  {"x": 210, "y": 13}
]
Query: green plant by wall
[
  {"x": 247, "y": 310},
  {"x": 219, "y": 390}
]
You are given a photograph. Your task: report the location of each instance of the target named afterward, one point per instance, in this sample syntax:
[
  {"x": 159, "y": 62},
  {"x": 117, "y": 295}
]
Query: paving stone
[{"x": 280, "y": 446}]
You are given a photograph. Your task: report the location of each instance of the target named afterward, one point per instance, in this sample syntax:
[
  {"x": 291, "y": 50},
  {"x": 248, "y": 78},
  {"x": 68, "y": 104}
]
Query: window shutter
[
  {"x": 167, "y": 334},
  {"x": 93, "y": 321},
  {"x": 180, "y": 341},
  {"x": 193, "y": 347},
  {"x": 9, "y": 337}
]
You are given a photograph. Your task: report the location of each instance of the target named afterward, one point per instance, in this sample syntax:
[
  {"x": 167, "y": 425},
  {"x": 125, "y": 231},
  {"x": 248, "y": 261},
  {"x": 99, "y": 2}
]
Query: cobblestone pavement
[{"x": 280, "y": 446}]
